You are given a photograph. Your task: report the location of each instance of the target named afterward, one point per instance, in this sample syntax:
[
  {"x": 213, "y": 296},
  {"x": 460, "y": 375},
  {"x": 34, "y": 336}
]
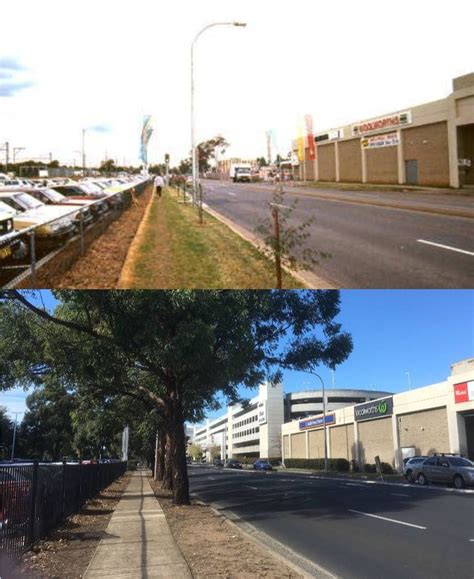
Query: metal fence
[
  {"x": 23, "y": 272},
  {"x": 35, "y": 498}
]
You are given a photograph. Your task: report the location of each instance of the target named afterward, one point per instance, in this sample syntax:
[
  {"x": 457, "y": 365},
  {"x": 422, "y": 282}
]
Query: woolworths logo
[{"x": 374, "y": 409}]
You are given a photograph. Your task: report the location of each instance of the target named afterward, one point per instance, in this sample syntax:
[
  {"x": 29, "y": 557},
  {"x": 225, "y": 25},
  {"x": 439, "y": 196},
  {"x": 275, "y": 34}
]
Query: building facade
[
  {"x": 434, "y": 419},
  {"x": 429, "y": 145}
]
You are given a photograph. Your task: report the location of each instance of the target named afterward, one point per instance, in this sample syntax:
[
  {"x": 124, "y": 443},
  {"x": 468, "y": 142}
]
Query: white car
[{"x": 53, "y": 225}]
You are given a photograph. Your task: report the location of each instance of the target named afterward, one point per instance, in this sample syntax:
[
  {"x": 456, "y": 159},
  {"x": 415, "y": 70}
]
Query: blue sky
[{"x": 394, "y": 331}]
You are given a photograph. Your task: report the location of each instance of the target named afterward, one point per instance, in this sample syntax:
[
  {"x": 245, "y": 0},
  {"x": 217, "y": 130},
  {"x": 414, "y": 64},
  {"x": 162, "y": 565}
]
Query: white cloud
[{"x": 111, "y": 62}]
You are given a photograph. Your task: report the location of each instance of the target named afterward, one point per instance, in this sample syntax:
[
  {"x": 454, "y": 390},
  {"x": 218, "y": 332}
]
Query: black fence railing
[{"x": 35, "y": 498}]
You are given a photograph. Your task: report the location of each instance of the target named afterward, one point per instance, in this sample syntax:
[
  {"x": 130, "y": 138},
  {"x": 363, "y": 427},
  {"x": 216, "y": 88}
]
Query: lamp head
[{"x": 242, "y": 24}]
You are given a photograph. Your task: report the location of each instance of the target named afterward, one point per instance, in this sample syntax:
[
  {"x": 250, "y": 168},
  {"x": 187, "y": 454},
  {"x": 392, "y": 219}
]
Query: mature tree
[
  {"x": 46, "y": 431},
  {"x": 195, "y": 451},
  {"x": 185, "y": 167},
  {"x": 157, "y": 169},
  {"x": 6, "y": 434},
  {"x": 176, "y": 350},
  {"x": 108, "y": 166},
  {"x": 262, "y": 162},
  {"x": 215, "y": 452},
  {"x": 207, "y": 151}
]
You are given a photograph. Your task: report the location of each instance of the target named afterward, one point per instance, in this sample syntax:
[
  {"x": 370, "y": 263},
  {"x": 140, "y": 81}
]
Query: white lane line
[
  {"x": 249, "y": 487},
  {"x": 230, "y": 193},
  {"x": 471, "y": 540},
  {"x": 398, "y": 495},
  {"x": 211, "y": 478},
  {"x": 354, "y": 485},
  {"x": 387, "y": 519},
  {"x": 445, "y": 246}
]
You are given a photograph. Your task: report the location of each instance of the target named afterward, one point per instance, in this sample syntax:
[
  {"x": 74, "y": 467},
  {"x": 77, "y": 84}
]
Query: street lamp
[
  {"x": 193, "y": 116},
  {"x": 324, "y": 420},
  {"x": 83, "y": 153}
]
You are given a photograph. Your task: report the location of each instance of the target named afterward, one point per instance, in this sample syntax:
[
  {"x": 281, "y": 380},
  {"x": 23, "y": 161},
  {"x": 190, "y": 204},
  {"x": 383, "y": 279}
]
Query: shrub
[
  {"x": 386, "y": 468},
  {"x": 334, "y": 464},
  {"x": 370, "y": 468}
]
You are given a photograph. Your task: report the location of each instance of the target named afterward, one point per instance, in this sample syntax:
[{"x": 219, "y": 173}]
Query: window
[{"x": 431, "y": 461}]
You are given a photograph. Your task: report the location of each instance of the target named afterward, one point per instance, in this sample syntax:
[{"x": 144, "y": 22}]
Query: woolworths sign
[{"x": 375, "y": 409}]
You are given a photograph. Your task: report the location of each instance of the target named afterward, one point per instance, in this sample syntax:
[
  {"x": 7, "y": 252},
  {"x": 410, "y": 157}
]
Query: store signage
[
  {"x": 388, "y": 140},
  {"x": 463, "y": 392},
  {"x": 389, "y": 122},
  {"x": 317, "y": 422},
  {"x": 374, "y": 409},
  {"x": 262, "y": 412},
  {"x": 332, "y": 135}
]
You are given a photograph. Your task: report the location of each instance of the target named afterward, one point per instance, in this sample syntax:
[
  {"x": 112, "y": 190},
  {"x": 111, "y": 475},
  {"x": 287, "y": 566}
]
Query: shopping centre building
[
  {"x": 254, "y": 430},
  {"x": 430, "y": 144},
  {"x": 433, "y": 419}
]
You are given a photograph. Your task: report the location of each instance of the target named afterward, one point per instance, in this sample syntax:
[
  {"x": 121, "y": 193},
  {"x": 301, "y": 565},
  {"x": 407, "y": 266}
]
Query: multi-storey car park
[
  {"x": 430, "y": 144},
  {"x": 361, "y": 424}
]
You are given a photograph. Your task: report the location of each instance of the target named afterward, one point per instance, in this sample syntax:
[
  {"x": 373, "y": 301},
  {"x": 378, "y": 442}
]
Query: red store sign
[
  {"x": 464, "y": 391},
  {"x": 382, "y": 123}
]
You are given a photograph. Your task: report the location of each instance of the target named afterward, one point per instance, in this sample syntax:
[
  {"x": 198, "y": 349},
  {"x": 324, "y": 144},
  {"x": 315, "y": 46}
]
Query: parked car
[
  {"x": 410, "y": 464},
  {"x": 11, "y": 247},
  {"x": 218, "y": 462},
  {"x": 28, "y": 211},
  {"x": 51, "y": 197},
  {"x": 189, "y": 460},
  {"x": 262, "y": 465},
  {"x": 446, "y": 469},
  {"x": 232, "y": 463},
  {"x": 74, "y": 192},
  {"x": 14, "y": 491}
]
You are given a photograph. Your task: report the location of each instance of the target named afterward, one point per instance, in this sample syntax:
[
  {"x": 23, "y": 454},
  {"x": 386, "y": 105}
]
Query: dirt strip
[
  {"x": 213, "y": 548},
  {"x": 102, "y": 263},
  {"x": 66, "y": 553}
]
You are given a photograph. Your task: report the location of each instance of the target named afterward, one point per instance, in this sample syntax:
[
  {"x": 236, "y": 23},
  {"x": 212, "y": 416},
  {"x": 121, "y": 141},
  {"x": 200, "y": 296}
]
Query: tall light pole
[
  {"x": 324, "y": 419},
  {"x": 15, "y": 149},
  {"x": 408, "y": 380},
  {"x": 14, "y": 434},
  {"x": 193, "y": 115}
]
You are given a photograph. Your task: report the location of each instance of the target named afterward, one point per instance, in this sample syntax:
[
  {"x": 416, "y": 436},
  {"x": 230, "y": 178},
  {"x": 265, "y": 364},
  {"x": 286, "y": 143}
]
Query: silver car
[
  {"x": 411, "y": 465},
  {"x": 446, "y": 469}
]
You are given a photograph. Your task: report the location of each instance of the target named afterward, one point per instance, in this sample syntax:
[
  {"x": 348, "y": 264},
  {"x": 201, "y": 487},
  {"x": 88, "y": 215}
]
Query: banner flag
[
  {"x": 301, "y": 147},
  {"x": 310, "y": 136},
  {"x": 147, "y": 131}
]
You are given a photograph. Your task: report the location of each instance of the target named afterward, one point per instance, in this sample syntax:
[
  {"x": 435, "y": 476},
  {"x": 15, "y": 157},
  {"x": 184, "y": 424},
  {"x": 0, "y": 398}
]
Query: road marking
[
  {"x": 445, "y": 247},
  {"x": 471, "y": 540},
  {"x": 387, "y": 519},
  {"x": 399, "y": 495},
  {"x": 211, "y": 478},
  {"x": 249, "y": 487},
  {"x": 230, "y": 193},
  {"x": 354, "y": 484}
]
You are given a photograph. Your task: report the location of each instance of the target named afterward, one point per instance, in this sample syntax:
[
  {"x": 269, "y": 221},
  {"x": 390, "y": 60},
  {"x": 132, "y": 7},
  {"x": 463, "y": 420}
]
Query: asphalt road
[
  {"x": 370, "y": 246},
  {"x": 350, "y": 528}
]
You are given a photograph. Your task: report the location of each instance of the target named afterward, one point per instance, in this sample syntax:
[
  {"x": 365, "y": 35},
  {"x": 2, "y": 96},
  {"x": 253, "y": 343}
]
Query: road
[
  {"x": 370, "y": 245},
  {"x": 353, "y": 529}
]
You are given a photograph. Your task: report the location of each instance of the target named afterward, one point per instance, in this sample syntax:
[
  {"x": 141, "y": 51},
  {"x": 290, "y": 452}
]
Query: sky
[
  {"x": 101, "y": 66},
  {"x": 421, "y": 332}
]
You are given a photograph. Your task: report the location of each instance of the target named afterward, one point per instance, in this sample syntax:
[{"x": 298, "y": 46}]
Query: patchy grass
[{"x": 175, "y": 251}]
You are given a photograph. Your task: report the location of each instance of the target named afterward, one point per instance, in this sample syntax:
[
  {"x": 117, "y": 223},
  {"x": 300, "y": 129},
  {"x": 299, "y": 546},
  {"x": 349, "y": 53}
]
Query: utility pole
[
  {"x": 7, "y": 154},
  {"x": 269, "y": 147},
  {"x": 14, "y": 434},
  {"x": 15, "y": 149}
]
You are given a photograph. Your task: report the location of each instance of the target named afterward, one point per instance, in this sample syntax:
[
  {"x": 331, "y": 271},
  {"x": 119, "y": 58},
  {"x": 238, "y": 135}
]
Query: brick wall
[
  {"x": 326, "y": 162},
  {"x": 342, "y": 441},
  {"x": 298, "y": 445},
  {"x": 382, "y": 165},
  {"x": 429, "y": 146},
  {"x": 316, "y": 443},
  {"x": 350, "y": 161},
  {"x": 375, "y": 438},
  {"x": 427, "y": 431}
]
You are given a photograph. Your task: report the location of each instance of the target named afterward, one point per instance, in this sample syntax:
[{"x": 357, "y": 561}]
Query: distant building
[{"x": 430, "y": 144}]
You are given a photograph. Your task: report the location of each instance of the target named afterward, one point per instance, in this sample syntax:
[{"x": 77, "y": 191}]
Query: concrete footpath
[{"x": 138, "y": 542}]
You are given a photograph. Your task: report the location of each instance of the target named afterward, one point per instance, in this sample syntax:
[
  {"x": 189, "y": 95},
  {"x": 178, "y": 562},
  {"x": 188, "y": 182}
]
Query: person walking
[{"x": 159, "y": 183}]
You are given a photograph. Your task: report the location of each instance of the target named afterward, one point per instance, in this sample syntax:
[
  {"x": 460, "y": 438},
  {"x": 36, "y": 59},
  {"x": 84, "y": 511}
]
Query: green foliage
[
  {"x": 195, "y": 451},
  {"x": 262, "y": 162},
  {"x": 6, "y": 432},
  {"x": 207, "y": 150},
  {"x": 386, "y": 468},
  {"x": 107, "y": 166},
  {"x": 215, "y": 452},
  {"x": 288, "y": 247},
  {"x": 370, "y": 468},
  {"x": 334, "y": 464}
]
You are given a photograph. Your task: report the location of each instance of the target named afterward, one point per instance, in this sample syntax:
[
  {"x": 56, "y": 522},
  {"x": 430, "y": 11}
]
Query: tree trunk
[
  {"x": 160, "y": 469},
  {"x": 180, "y": 469},
  {"x": 168, "y": 463}
]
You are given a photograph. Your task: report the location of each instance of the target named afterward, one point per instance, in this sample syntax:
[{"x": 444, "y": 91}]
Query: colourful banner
[
  {"x": 301, "y": 152},
  {"x": 310, "y": 136},
  {"x": 147, "y": 131}
]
